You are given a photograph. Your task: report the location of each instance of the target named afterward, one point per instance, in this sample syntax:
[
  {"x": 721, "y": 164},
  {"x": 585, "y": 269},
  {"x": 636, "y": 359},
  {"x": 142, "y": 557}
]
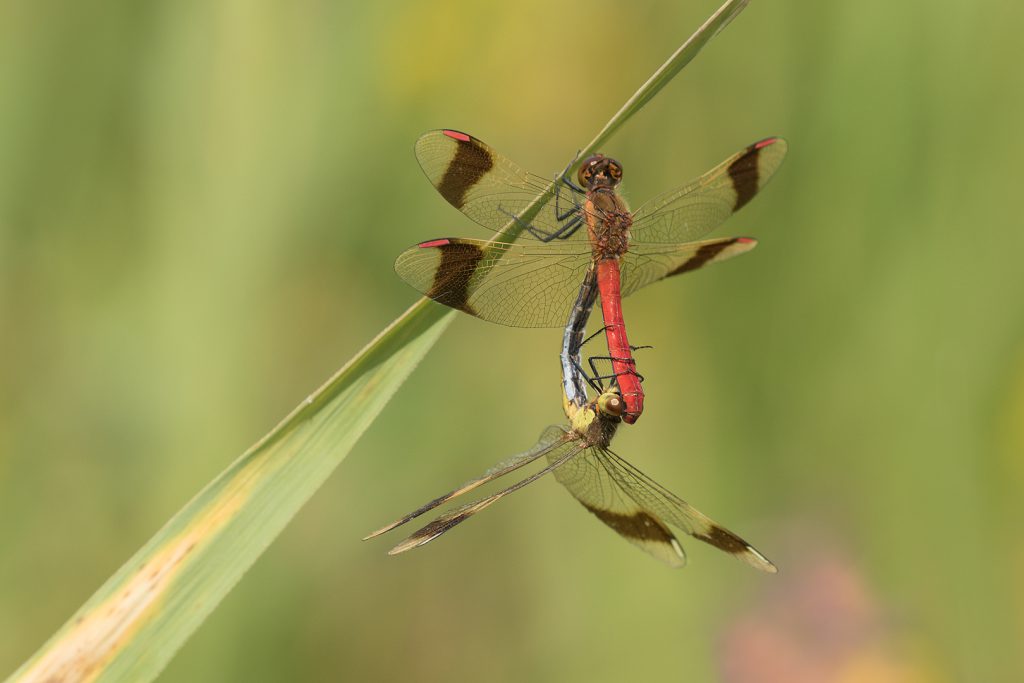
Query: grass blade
[{"x": 133, "y": 625}]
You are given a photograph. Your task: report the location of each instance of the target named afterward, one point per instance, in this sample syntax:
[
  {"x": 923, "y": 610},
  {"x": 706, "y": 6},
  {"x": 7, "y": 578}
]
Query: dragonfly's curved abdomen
[
  {"x": 574, "y": 391},
  {"x": 623, "y": 364}
]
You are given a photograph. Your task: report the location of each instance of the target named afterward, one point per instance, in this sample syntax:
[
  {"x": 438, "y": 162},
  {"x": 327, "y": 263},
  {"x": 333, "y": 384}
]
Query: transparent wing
[
  {"x": 535, "y": 285},
  {"x": 526, "y": 284},
  {"x": 590, "y": 482},
  {"x": 694, "y": 210},
  {"x": 519, "y": 284},
  {"x": 611, "y": 472},
  {"x": 558, "y": 452},
  {"x": 549, "y": 439},
  {"x": 490, "y": 188},
  {"x": 647, "y": 263}
]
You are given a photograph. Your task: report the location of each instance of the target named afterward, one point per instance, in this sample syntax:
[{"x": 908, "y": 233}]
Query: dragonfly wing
[
  {"x": 518, "y": 284},
  {"x": 558, "y": 452},
  {"x": 589, "y": 480},
  {"x": 630, "y": 483},
  {"x": 647, "y": 263},
  {"x": 694, "y": 210},
  {"x": 550, "y": 439},
  {"x": 488, "y": 187}
]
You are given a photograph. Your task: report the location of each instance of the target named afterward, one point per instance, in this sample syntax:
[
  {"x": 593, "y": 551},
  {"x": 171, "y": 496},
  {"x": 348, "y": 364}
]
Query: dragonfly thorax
[
  {"x": 599, "y": 171},
  {"x": 608, "y": 222},
  {"x": 597, "y": 421}
]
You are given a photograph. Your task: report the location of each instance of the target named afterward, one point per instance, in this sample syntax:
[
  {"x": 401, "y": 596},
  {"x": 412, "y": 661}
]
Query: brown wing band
[
  {"x": 705, "y": 254},
  {"x": 451, "y": 281},
  {"x": 639, "y": 525},
  {"x": 723, "y": 539},
  {"x": 471, "y": 162},
  {"x": 745, "y": 176}
]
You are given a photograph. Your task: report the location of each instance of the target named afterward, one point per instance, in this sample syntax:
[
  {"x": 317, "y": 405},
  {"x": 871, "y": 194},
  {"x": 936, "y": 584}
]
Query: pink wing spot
[
  {"x": 762, "y": 144},
  {"x": 456, "y": 135},
  {"x": 745, "y": 240},
  {"x": 434, "y": 243}
]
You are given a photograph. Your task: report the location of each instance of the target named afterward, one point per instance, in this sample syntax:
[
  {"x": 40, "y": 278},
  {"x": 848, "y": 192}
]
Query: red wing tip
[
  {"x": 746, "y": 240},
  {"x": 758, "y": 145},
  {"x": 434, "y": 243},
  {"x": 456, "y": 135}
]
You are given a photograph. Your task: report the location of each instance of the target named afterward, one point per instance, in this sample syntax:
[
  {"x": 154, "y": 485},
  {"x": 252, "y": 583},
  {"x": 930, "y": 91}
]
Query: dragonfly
[
  {"x": 617, "y": 493},
  {"x": 532, "y": 281},
  {"x": 635, "y": 506}
]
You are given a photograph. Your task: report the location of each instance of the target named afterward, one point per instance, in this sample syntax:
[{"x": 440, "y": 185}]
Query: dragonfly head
[
  {"x": 597, "y": 421},
  {"x": 600, "y": 171},
  {"x": 610, "y": 403}
]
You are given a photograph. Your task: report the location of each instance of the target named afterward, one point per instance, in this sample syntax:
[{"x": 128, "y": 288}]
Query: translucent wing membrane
[
  {"x": 647, "y": 263},
  {"x": 518, "y": 284},
  {"x": 526, "y": 284},
  {"x": 549, "y": 440},
  {"x": 558, "y": 452},
  {"x": 589, "y": 482},
  {"x": 677, "y": 512},
  {"x": 640, "y": 510},
  {"x": 634, "y": 505},
  {"x": 692, "y": 211},
  {"x": 490, "y": 188},
  {"x": 535, "y": 285}
]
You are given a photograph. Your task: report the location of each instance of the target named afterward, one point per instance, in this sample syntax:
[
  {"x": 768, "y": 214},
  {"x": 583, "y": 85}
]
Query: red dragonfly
[{"x": 533, "y": 282}]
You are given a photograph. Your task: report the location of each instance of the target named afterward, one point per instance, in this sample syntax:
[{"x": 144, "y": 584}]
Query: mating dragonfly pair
[{"x": 578, "y": 242}]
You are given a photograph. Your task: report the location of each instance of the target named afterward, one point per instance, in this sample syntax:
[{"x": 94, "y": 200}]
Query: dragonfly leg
[
  {"x": 542, "y": 235},
  {"x": 594, "y": 377},
  {"x": 630, "y": 371},
  {"x": 567, "y": 230},
  {"x": 574, "y": 210},
  {"x": 564, "y": 176},
  {"x": 571, "y": 219},
  {"x": 574, "y": 225},
  {"x": 593, "y": 380},
  {"x": 597, "y": 376},
  {"x": 591, "y": 337},
  {"x": 564, "y": 231}
]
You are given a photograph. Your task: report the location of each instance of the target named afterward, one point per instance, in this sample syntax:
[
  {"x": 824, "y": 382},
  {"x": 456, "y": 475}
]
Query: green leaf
[{"x": 134, "y": 624}]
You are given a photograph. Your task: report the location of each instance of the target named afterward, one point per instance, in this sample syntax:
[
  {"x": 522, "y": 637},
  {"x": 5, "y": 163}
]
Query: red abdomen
[{"x": 623, "y": 364}]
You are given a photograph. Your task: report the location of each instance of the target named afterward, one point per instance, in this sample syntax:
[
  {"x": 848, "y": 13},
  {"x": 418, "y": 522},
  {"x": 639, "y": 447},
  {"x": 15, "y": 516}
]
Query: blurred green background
[{"x": 199, "y": 208}]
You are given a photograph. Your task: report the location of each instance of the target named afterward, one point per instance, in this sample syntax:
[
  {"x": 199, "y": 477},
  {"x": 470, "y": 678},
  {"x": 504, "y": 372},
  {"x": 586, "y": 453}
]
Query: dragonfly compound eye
[
  {"x": 611, "y": 404},
  {"x": 590, "y": 166}
]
